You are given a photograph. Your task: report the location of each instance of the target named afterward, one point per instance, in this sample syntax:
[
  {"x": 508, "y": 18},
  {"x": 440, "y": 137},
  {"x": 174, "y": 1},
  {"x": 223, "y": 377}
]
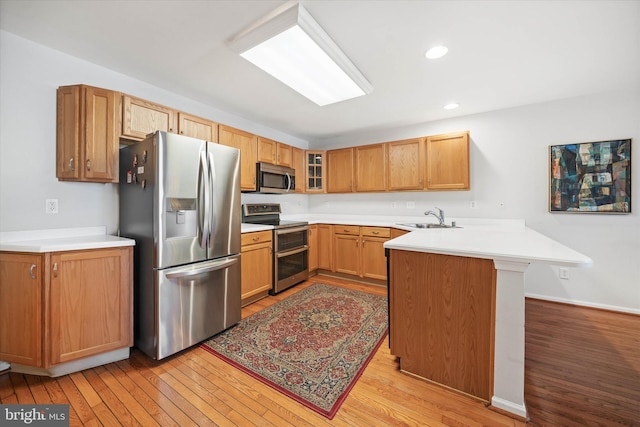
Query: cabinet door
[
  {"x": 267, "y": 150},
  {"x": 340, "y": 170},
  {"x": 346, "y": 250},
  {"x": 257, "y": 269},
  {"x": 374, "y": 263},
  {"x": 406, "y": 159},
  {"x": 101, "y": 142},
  {"x": 313, "y": 247},
  {"x": 370, "y": 168},
  {"x": 325, "y": 246},
  {"x": 68, "y": 133},
  {"x": 141, "y": 118},
  {"x": 248, "y": 145},
  {"x": 315, "y": 171},
  {"x": 197, "y": 127},
  {"x": 21, "y": 283},
  {"x": 90, "y": 303},
  {"x": 297, "y": 163},
  {"x": 283, "y": 155},
  {"x": 447, "y": 161}
]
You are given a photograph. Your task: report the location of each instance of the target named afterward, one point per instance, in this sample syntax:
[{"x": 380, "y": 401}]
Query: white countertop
[
  {"x": 62, "y": 239},
  {"x": 250, "y": 228},
  {"x": 499, "y": 239}
]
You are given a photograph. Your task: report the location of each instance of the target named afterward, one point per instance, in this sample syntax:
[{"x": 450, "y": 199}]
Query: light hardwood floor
[{"x": 196, "y": 388}]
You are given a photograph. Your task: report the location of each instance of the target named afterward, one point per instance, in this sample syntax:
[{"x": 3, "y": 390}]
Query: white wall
[
  {"x": 29, "y": 76},
  {"x": 509, "y": 164}
]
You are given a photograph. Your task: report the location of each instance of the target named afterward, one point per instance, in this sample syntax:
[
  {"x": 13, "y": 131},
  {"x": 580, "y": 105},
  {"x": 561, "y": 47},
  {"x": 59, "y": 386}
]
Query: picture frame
[{"x": 590, "y": 177}]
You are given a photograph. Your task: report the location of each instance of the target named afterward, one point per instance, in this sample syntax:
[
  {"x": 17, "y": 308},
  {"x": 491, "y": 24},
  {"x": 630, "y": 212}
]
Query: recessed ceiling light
[
  {"x": 451, "y": 106},
  {"x": 436, "y": 52}
]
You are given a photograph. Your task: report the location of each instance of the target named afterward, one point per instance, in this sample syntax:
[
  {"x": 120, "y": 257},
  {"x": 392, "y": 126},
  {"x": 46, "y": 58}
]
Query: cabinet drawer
[
  {"x": 347, "y": 229},
  {"x": 255, "y": 237},
  {"x": 376, "y": 231}
]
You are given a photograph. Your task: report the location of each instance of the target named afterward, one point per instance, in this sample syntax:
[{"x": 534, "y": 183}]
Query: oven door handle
[
  {"x": 292, "y": 252},
  {"x": 291, "y": 230}
]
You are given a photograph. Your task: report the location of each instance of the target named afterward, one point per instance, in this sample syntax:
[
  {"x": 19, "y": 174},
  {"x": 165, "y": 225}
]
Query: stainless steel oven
[
  {"x": 290, "y": 243},
  {"x": 290, "y": 257}
]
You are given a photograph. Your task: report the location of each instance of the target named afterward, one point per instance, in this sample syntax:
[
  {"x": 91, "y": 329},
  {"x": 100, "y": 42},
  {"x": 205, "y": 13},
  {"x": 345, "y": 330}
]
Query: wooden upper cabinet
[
  {"x": 447, "y": 161},
  {"x": 247, "y": 143},
  {"x": 267, "y": 150},
  {"x": 340, "y": 170},
  {"x": 274, "y": 152},
  {"x": 88, "y": 122},
  {"x": 21, "y": 323},
  {"x": 197, "y": 127},
  {"x": 370, "y": 167},
  {"x": 297, "y": 163},
  {"x": 405, "y": 165},
  {"x": 315, "y": 171},
  {"x": 141, "y": 118}
]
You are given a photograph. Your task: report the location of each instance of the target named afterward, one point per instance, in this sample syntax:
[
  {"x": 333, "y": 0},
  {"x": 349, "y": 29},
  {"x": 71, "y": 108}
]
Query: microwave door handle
[
  {"x": 203, "y": 201},
  {"x": 288, "y": 182}
]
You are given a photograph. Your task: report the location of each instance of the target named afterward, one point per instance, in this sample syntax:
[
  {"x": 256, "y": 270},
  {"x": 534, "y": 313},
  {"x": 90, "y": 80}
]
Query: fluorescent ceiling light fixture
[
  {"x": 436, "y": 52},
  {"x": 291, "y": 46},
  {"x": 451, "y": 106}
]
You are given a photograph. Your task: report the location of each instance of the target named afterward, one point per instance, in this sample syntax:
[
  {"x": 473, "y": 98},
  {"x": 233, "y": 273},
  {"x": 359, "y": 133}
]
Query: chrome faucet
[{"x": 439, "y": 215}]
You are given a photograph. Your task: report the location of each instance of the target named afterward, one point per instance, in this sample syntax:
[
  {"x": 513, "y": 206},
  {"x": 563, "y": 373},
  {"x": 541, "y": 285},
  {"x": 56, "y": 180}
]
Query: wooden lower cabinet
[
  {"x": 90, "y": 309},
  {"x": 313, "y": 247},
  {"x": 325, "y": 246},
  {"x": 441, "y": 319},
  {"x": 359, "y": 251},
  {"x": 69, "y": 305},
  {"x": 257, "y": 265},
  {"x": 21, "y": 290}
]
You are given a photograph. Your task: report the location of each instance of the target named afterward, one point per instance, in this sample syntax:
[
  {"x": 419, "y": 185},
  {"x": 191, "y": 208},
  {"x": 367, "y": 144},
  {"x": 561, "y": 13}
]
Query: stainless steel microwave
[{"x": 275, "y": 179}]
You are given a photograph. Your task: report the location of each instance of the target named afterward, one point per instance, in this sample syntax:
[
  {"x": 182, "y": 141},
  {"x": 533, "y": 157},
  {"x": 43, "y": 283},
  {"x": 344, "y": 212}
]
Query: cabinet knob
[
  {"x": 32, "y": 271},
  {"x": 88, "y": 164},
  {"x": 375, "y": 232},
  {"x": 55, "y": 269},
  {"x": 255, "y": 239},
  {"x": 71, "y": 165}
]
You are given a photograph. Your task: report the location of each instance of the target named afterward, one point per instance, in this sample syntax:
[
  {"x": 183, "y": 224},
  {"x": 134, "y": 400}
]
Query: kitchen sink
[{"x": 428, "y": 225}]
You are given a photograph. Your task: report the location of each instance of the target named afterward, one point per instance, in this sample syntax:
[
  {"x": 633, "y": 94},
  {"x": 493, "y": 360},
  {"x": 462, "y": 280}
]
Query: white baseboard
[{"x": 584, "y": 303}]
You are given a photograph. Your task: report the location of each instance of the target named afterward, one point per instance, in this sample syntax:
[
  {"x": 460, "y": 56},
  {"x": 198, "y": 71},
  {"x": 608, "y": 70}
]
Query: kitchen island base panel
[
  {"x": 508, "y": 380},
  {"x": 74, "y": 366}
]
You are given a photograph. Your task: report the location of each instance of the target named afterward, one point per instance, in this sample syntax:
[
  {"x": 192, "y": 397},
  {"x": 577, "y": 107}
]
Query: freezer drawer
[{"x": 193, "y": 303}]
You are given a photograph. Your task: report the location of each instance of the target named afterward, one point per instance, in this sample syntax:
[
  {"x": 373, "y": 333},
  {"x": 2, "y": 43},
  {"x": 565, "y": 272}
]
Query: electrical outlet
[
  {"x": 411, "y": 205},
  {"x": 473, "y": 204},
  {"x": 563, "y": 273},
  {"x": 51, "y": 206},
  {"x": 393, "y": 205}
]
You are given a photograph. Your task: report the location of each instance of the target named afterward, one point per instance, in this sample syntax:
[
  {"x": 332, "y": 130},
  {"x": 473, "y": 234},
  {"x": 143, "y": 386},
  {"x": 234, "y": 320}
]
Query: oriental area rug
[{"x": 312, "y": 346}]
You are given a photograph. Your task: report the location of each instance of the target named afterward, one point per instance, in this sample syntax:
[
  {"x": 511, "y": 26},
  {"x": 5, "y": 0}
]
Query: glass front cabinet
[{"x": 315, "y": 172}]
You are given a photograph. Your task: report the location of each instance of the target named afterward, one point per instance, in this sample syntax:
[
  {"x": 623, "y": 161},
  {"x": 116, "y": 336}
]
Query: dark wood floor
[
  {"x": 582, "y": 369},
  {"x": 582, "y": 366}
]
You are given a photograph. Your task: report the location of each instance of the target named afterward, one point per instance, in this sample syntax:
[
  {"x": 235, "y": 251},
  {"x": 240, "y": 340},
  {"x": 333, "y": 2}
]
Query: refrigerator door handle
[
  {"x": 203, "y": 201},
  {"x": 211, "y": 266},
  {"x": 213, "y": 208}
]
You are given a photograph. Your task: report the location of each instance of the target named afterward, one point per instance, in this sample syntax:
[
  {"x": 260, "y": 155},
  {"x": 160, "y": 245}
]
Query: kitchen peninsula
[{"x": 457, "y": 306}]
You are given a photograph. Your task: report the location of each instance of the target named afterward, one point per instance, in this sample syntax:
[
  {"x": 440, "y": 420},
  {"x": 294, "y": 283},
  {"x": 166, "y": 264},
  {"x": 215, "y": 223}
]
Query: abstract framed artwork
[{"x": 591, "y": 177}]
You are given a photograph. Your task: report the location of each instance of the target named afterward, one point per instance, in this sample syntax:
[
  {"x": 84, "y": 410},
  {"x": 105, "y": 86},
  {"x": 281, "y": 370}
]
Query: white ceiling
[{"x": 501, "y": 53}]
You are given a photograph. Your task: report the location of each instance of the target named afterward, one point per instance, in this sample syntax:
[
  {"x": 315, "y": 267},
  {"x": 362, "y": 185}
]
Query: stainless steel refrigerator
[{"x": 180, "y": 201}]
